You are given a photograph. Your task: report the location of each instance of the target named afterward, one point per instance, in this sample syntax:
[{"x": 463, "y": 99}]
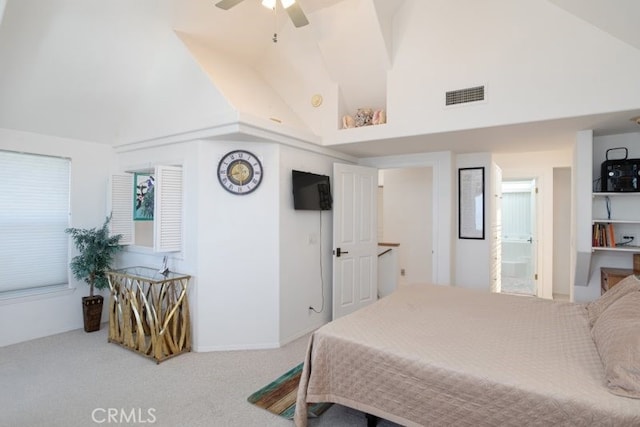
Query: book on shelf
[{"x": 603, "y": 235}]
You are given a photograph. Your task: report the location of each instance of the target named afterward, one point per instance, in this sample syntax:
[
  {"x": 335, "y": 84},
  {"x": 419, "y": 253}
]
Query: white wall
[
  {"x": 34, "y": 317},
  {"x": 561, "y": 231},
  {"x": 581, "y": 202},
  {"x": 408, "y": 220},
  {"x": 231, "y": 245},
  {"x": 472, "y": 256},
  {"x": 539, "y": 165},
  {"x": 306, "y": 244},
  {"x": 238, "y": 252},
  {"x": 510, "y": 55}
]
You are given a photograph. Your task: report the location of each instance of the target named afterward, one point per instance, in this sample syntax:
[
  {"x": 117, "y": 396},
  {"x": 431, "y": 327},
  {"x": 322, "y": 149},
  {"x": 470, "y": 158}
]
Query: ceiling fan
[{"x": 291, "y": 6}]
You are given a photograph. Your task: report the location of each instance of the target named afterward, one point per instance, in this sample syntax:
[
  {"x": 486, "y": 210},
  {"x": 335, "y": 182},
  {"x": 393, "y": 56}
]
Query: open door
[{"x": 355, "y": 239}]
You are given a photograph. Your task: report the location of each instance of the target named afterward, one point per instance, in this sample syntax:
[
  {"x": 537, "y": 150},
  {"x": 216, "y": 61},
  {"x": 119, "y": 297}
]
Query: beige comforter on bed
[{"x": 435, "y": 355}]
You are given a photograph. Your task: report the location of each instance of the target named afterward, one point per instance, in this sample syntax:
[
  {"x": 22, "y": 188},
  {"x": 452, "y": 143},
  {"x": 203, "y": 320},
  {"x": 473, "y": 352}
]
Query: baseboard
[
  {"x": 260, "y": 346},
  {"x": 256, "y": 346},
  {"x": 297, "y": 335}
]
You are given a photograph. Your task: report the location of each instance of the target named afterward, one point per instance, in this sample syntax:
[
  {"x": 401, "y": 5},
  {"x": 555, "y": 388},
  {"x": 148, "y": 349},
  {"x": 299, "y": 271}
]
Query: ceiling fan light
[
  {"x": 287, "y": 3},
  {"x": 269, "y": 4}
]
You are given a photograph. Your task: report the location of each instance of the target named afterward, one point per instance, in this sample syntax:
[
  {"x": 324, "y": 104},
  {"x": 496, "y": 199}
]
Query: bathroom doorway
[{"x": 519, "y": 239}]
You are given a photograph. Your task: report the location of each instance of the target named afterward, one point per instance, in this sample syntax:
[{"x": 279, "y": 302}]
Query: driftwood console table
[{"x": 149, "y": 312}]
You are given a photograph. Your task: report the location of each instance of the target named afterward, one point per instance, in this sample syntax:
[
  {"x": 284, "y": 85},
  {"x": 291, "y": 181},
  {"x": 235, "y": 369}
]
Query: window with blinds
[{"x": 34, "y": 213}]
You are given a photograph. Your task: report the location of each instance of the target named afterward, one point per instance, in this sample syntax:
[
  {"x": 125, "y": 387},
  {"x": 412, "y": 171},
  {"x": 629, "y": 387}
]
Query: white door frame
[
  {"x": 544, "y": 286},
  {"x": 442, "y": 164}
]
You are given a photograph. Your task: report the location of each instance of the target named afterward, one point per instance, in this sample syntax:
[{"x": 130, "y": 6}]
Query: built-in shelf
[
  {"x": 617, "y": 248},
  {"x": 617, "y": 194},
  {"x": 615, "y": 221},
  {"x": 615, "y": 216}
]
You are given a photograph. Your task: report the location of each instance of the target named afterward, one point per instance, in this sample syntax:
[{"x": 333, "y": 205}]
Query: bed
[{"x": 440, "y": 355}]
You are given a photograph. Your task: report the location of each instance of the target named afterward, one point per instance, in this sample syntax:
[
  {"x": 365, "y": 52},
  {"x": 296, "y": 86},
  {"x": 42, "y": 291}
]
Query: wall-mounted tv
[{"x": 311, "y": 192}]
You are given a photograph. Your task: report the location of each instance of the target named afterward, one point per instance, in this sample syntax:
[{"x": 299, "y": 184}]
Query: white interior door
[
  {"x": 355, "y": 240},
  {"x": 496, "y": 230}
]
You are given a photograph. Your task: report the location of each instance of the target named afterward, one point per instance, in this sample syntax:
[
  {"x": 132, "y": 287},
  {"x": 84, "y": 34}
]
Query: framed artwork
[
  {"x": 471, "y": 203},
  {"x": 143, "y": 192}
]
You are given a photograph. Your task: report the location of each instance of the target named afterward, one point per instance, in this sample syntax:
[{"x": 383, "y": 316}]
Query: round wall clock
[{"x": 240, "y": 172}]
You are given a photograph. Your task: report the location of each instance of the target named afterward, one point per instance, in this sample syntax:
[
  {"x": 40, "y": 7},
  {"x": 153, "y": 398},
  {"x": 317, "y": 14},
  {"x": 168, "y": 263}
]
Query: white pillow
[
  {"x": 616, "y": 334},
  {"x": 596, "y": 308}
]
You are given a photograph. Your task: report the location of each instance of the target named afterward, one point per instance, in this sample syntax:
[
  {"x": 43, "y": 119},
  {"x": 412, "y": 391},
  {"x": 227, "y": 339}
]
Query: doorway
[
  {"x": 405, "y": 217},
  {"x": 519, "y": 238}
]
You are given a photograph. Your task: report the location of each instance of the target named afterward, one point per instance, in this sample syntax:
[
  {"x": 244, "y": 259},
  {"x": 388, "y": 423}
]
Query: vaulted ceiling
[
  {"x": 115, "y": 71},
  {"x": 246, "y": 29}
]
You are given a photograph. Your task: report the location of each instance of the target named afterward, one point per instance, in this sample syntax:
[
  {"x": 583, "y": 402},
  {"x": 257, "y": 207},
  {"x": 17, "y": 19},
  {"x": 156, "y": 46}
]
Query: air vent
[{"x": 463, "y": 96}]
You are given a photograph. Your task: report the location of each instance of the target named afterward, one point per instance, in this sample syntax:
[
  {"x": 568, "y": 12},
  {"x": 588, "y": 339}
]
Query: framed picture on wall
[
  {"x": 143, "y": 192},
  {"x": 471, "y": 203}
]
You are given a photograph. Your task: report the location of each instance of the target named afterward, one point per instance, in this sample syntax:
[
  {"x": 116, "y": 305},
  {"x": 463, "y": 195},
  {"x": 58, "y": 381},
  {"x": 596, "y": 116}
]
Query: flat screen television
[{"x": 311, "y": 192}]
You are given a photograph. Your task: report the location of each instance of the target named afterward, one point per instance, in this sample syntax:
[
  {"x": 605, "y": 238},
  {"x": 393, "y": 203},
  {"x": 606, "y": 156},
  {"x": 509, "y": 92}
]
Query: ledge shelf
[{"x": 616, "y": 249}]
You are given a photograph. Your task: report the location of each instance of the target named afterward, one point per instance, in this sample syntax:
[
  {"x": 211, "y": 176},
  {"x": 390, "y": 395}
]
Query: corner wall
[
  {"x": 229, "y": 247},
  {"x": 255, "y": 261}
]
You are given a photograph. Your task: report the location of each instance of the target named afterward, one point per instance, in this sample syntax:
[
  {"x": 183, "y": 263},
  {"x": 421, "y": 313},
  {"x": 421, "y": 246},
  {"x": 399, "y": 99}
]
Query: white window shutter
[
  {"x": 167, "y": 216},
  {"x": 121, "y": 208}
]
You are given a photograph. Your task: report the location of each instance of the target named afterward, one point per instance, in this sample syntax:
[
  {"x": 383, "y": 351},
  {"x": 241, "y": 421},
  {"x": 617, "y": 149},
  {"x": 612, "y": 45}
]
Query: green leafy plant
[
  {"x": 97, "y": 250},
  {"x": 147, "y": 202}
]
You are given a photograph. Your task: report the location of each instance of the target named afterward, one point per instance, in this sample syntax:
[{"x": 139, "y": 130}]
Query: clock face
[{"x": 240, "y": 172}]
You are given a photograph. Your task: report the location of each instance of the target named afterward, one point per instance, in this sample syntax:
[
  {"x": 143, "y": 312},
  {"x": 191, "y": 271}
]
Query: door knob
[{"x": 340, "y": 252}]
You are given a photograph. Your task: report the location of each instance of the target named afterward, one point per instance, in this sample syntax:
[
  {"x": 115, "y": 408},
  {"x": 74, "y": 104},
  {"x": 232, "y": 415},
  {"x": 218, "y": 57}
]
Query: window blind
[{"x": 34, "y": 213}]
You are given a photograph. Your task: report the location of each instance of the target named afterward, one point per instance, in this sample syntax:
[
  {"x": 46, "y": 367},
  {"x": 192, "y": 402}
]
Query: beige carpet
[{"x": 78, "y": 379}]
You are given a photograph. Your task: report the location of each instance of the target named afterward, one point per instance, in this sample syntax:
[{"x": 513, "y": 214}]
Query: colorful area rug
[{"x": 279, "y": 396}]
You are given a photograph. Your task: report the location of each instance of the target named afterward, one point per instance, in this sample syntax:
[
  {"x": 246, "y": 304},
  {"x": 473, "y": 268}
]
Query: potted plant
[{"x": 96, "y": 252}]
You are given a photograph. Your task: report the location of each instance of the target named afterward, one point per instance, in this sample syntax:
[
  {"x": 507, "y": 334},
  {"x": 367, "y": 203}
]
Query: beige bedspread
[{"x": 432, "y": 355}]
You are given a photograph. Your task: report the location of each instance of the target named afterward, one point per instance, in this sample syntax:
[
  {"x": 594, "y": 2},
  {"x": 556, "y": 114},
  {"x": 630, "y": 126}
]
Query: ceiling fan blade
[
  {"x": 297, "y": 15},
  {"x": 228, "y": 4}
]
